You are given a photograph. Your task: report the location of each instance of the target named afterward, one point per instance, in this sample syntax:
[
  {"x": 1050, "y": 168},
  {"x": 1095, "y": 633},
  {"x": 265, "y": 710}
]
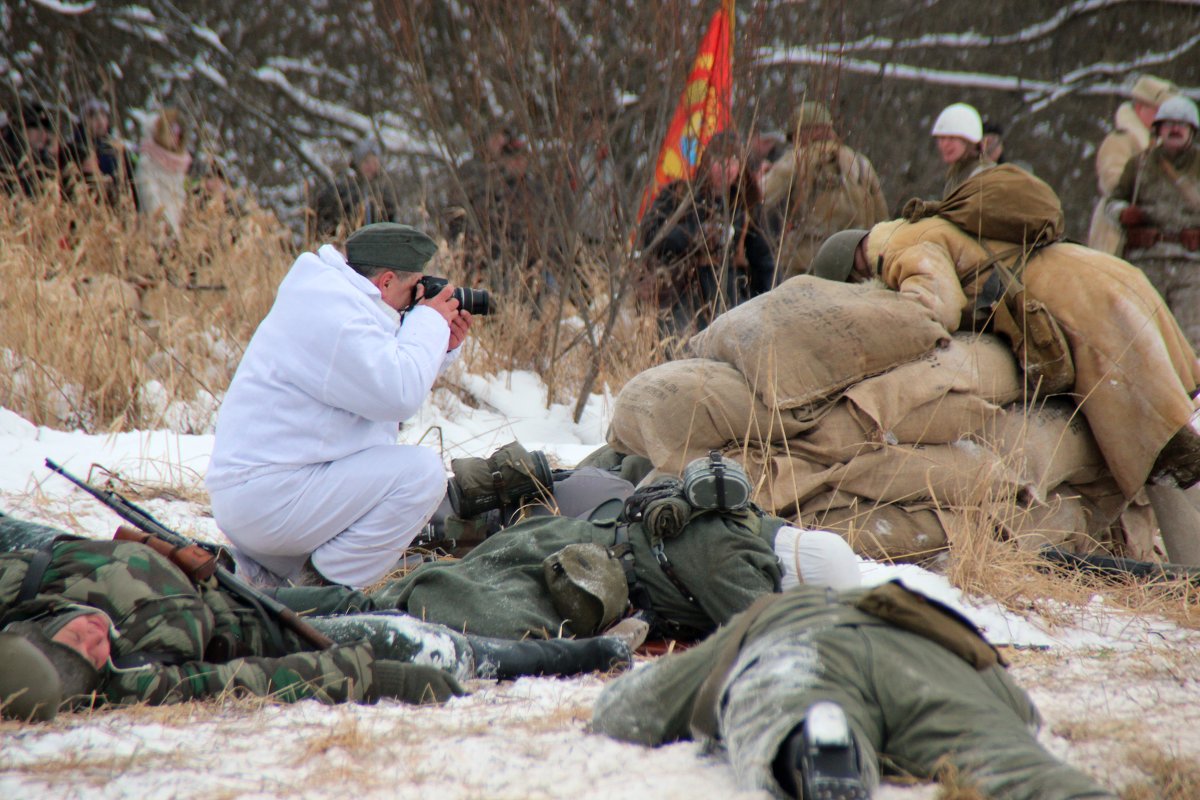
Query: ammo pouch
[
  {"x": 1037, "y": 340},
  {"x": 507, "y": 478},
  {"x": 915, "y": 613},
  {"x": 1141, "y": 237}
]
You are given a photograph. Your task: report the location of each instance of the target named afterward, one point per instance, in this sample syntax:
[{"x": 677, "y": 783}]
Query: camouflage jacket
[{"x": 174, "y": 640}]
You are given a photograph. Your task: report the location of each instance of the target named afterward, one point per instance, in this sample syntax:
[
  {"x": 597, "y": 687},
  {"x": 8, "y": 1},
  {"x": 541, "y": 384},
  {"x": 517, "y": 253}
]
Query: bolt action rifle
[
  {"x": 1123, "y": 568},
  {"x": 198, "y": 560}
]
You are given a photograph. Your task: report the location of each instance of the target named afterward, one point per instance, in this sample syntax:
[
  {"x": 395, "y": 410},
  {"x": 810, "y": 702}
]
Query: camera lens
[{"x": 474, "y": 301}]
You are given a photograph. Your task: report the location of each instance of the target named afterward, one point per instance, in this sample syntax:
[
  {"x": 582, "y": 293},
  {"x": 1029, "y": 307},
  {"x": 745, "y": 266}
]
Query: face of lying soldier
[{"x": 87, "y": 634}]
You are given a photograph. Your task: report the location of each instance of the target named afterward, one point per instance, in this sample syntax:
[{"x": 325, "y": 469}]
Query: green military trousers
[{"x": 913, "y": 707}]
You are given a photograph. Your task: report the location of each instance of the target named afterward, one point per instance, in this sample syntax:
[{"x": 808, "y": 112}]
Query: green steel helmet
[
  {"x": 390, "y": 245},
  {"x": 835, "y": 260},
  {"x": 587, "y": 586},
  {"x": 811, "y": 113},
  {"x": 30, "y": 689}
]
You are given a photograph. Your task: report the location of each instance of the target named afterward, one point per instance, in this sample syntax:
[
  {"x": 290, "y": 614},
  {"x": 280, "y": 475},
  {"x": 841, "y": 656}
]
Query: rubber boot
[
  {"x": 819, "y": 761},
  {"x": 504, "y": 659},
  {"x": 1178, "y": 521}
]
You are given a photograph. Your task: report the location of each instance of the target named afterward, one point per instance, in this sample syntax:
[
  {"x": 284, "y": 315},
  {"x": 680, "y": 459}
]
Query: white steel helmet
[
  {"x": 960, "y": 120},
  {"x": 1178, "y": 109}
]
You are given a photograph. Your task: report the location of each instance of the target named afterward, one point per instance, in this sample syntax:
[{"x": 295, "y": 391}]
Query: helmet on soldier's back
[
  {"x": 835, "y": 260},
  {"x": 1178, "y": 109},
  {"x": 961, "y": 120},
  {"x": 587, "y": 586},
  {"x": 61, "y": 673},
  {"x": 30, "y": 689}
]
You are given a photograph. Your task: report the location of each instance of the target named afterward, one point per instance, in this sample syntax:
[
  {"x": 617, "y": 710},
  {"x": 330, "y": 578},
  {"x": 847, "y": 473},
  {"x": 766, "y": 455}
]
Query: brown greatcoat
[
  {"x": 1134, "y": 370},
  {"x": 820, "y": 188},
  {"x": 1130, "y": 138}
]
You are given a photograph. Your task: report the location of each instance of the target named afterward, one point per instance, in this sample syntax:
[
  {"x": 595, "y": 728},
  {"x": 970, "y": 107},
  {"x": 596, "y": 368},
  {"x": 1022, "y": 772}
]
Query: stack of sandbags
[{"x": 850, "y": 411}]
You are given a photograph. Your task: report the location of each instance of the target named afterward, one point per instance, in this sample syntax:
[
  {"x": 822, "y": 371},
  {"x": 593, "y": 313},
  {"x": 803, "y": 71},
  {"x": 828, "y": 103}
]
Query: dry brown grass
[
  {"x": 1168, "y": 777},
  {"x": 92, "y": 312}
]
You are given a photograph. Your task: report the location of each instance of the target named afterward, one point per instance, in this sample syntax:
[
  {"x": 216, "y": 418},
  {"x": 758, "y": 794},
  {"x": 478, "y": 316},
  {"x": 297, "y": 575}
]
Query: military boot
[
  {"x": 819, "y": 760},
  {"x": 1178, "y": 463},
  {"x": 504, "y": 659}
]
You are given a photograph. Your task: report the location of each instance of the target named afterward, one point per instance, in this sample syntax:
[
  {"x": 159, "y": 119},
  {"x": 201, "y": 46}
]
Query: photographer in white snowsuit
[{"x": 306, "y": 476}]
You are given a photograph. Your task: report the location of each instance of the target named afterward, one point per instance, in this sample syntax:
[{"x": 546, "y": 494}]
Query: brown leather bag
[{"x": 1037, "y": 340}]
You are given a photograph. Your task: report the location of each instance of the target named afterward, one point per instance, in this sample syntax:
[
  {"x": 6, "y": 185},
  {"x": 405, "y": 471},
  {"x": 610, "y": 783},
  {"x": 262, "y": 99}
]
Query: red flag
[{"x": 703, "y": 108}]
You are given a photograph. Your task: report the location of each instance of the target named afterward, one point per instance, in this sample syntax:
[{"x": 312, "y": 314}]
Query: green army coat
[
  {"x": 911, "y": 703},
  {"x": 726, "y": 561},
  {"x": 184, "y": 640}
]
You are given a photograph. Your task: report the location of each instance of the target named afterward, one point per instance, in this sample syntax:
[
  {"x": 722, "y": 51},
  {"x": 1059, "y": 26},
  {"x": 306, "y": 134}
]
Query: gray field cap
[{"x": 390, "y": 245}]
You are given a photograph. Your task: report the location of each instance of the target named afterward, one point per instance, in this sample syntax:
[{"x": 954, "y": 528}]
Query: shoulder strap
[{"x": 36, "y": 570}]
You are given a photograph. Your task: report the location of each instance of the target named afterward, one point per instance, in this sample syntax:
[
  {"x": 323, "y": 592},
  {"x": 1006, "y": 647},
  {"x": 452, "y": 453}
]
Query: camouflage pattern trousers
[
  {"x": 1178, "y": 281},
  {"x": 913, "y": 706}
]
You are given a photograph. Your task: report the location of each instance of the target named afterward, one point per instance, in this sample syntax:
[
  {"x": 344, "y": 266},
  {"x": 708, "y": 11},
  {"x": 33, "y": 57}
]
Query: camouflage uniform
[
  {"x": 911, "y": 703},
  {"x": 183, "y": 640},
  {"x": 1171, "y": 266}
]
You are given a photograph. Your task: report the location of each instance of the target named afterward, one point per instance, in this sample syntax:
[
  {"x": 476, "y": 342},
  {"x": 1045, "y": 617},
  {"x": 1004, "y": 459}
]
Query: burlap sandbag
[
  {"x": 678, "y": 411},
  {"x": 809, "y": 338},
  {"x": 963, "y": 473},
  {"x": 1062, "y": 520},
  {"x": 781, "y": 480},
  {"x": 881, "y": 531},
  {"x": 1048, "y": 445},
  {"x": 981, "y": 366}
]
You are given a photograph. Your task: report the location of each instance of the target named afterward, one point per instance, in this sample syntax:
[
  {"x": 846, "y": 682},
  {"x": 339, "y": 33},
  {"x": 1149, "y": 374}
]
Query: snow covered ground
[{"x": 1117, "y": 691}]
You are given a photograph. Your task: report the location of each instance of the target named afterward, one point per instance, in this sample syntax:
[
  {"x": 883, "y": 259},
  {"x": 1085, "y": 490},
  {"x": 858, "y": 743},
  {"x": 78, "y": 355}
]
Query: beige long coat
[
  {"x": 819, "y": 189},
  {"x": 1130, "y": 138},
  {"x": 1134, "y": 370}
]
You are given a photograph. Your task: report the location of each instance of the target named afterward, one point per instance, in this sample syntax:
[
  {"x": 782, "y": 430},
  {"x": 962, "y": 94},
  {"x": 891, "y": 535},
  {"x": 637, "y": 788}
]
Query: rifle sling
[{"x": 32, "y": 583}]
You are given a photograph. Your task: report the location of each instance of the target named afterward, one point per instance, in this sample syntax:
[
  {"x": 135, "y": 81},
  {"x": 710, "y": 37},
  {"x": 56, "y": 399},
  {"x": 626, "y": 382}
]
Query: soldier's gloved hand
[
  {"x": 1132, "y": 216},
  {"x": 414, "y": 683}
]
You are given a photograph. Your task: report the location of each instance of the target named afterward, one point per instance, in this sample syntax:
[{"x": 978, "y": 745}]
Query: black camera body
[{"x": 473, "y": 301}]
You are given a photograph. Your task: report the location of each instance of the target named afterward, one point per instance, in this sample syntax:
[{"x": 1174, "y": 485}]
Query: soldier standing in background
[
  {"x": 958, "y": 131},
  {"x": 818, "y": 189},
  {"x": 1131, "y": 135},
  {"x": 1157, "y": 202},
  {"x": 363, "y": 195}
]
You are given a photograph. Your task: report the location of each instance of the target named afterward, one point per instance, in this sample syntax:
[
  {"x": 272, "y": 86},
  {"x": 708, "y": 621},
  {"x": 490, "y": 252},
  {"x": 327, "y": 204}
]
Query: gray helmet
[
  {"x": 77, "y": 677},
  {"x": 1178, "y": 109},
  {"x": 587, "y": 586},
  {"x": 835, "y": 260},
  {"x": 30, "y": 689}
]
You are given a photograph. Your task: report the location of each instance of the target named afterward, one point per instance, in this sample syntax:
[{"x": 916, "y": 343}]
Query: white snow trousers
[
  {"x": 354, "y": 516},
  {"x": 817, "y": 558}
]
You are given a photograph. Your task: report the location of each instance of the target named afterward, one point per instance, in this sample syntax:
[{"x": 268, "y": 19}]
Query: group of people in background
[
  {"x": 42, "y": 149},
  {"x": 737, "y": 229}
]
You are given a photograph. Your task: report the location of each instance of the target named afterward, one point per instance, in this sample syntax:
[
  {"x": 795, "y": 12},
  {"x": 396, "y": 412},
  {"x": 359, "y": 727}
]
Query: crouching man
[
  {"x": 810, "y": 690},
  {"x": 306, "y": 476}
]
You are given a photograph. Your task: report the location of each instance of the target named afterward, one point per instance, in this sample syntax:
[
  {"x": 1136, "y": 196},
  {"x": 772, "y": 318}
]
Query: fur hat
[{"x": 1152, "y": 91}]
